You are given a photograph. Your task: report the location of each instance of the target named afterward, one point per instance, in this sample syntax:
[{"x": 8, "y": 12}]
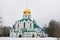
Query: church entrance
[
  {"x": 33, "y": 35},
  {"x": 20, "y": 35}
]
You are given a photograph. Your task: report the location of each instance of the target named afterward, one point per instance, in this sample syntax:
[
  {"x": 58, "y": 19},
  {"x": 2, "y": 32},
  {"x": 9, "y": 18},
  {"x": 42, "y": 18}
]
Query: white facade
[{"x": 26, "y": 27}]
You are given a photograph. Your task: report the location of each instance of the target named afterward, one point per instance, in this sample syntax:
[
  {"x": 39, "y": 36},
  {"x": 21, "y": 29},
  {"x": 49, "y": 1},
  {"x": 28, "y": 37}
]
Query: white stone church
[{"x": 26, "y": 27}]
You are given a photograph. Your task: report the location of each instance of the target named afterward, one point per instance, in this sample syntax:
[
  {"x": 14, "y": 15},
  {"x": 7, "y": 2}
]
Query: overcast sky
[{"x": 41, "y": 10}]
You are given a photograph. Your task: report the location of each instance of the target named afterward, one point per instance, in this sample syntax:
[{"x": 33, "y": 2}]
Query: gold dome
[{"x": 27, "y": 11}]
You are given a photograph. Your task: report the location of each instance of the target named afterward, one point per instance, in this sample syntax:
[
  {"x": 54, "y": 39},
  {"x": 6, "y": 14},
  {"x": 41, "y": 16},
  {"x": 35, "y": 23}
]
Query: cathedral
[{"x": 27, "y": 27}]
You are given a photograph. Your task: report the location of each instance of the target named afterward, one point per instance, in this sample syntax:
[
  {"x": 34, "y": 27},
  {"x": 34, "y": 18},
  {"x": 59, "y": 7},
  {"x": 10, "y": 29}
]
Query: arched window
[{"x": 24, "y": 24}]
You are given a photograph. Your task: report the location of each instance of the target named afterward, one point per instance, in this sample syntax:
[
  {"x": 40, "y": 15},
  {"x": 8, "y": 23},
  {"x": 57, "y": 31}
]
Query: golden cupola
[{"x": 27, "y": 11}]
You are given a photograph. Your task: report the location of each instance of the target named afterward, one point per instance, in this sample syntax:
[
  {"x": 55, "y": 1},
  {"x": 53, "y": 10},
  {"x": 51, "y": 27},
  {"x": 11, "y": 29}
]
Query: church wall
[
  {"x": 21, "y": 25},
  {"x": 29, "y": 34},
  {"x": 36, "y": 29},
  {"x": 19, "y": 31}
]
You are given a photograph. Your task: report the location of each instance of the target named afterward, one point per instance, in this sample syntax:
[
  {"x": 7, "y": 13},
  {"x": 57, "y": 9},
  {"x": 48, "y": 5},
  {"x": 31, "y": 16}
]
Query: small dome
[{"x": 27, "y": 11}]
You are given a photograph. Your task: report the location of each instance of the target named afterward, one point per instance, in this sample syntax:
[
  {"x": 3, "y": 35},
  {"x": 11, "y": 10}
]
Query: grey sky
[{"x": 42, "y": 10}]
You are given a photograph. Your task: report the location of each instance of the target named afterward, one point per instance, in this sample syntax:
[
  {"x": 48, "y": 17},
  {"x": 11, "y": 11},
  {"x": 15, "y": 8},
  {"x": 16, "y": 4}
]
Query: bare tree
[
  {"x": 54, "y": 29},
  {"x": 4, "y": 31}
]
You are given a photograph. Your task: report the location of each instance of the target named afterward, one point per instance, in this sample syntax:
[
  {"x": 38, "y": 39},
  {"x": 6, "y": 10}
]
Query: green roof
[
  {"x": 24, "y": 29},
  {"x": 24, "y": 19},
  {"x": 36, "y": 26},
  {"x": 30, "y": 31}
]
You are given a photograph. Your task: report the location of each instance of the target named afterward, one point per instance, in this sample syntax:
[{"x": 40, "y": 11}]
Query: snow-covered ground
[{"x": 8, "y": 38}]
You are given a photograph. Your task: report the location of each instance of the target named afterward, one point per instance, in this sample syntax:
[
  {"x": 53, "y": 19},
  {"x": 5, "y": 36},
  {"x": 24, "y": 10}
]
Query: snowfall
[{"x": 10, "y": 38}]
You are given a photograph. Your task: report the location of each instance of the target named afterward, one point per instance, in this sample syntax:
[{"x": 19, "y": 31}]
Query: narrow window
[
  {"x": 30, "y": 25},
  {"x": 24, "y": 24},
  {"x": 14, "y": 30},
  {"x": 37, "y": 34},
  {"x": 18, "y": 25}
]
